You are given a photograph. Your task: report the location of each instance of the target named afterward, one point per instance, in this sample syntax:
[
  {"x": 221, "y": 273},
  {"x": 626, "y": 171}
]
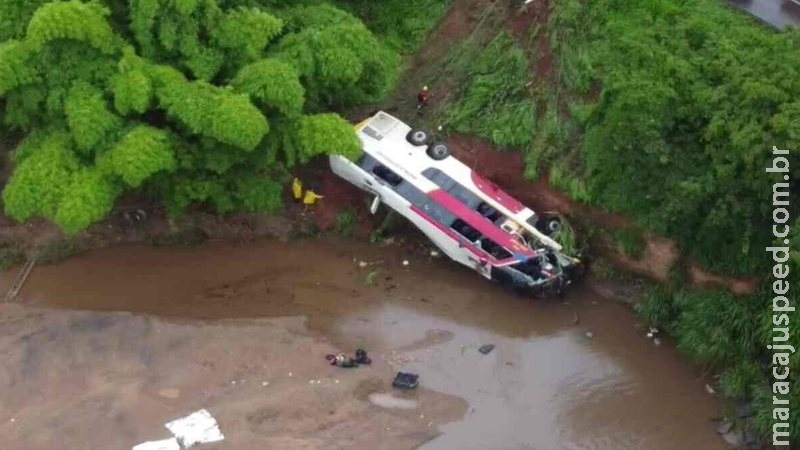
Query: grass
[
  {"x": 565, "y": 180},
  {"x": 372, "y": 277},
  {"x": 493, "y": 100},
  {"x": 401, "y": 24},
  {"x": 658, "y": 307},
  {"x": 346, "y": 222},
  {"x": 630, "y": 241},
  {"x": 603, "y": 269},
  {"x": 568, "y": 239}
]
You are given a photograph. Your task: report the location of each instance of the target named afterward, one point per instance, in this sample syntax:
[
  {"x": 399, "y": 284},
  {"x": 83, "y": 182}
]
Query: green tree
[
  {"x": 198, "y": 101},
  {"x": 38, "y": 183},
  {"x": 143, "y": 152}
]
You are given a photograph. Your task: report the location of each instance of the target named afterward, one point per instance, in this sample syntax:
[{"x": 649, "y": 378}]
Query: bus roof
[{"x": 384, "y": 137}]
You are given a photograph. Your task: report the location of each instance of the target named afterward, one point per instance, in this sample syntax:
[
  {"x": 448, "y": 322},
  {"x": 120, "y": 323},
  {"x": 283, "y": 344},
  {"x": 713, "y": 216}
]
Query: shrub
[
  {"x": 198, "y": 102},
  {"x": 345, "y": 222},
  {"x": 630, "y": 241},
  {"x": 494, "y": 103},
  {"x": 692, "y": 101}
]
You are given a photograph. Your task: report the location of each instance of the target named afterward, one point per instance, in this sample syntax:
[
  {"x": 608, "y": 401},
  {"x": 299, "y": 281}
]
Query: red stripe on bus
[
  {"x": 480, "y": 223},
  {"x": 455, "y": 236},
  {"x": 498, "y": 195}
]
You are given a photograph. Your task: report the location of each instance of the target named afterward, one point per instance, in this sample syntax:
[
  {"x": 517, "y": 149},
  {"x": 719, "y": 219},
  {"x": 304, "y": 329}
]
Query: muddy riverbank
[{"x": 155, "y": 321}]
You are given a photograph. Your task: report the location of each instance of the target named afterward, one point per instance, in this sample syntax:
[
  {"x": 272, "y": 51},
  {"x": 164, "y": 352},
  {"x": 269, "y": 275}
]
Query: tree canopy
[{"x": 198, "y": 101}]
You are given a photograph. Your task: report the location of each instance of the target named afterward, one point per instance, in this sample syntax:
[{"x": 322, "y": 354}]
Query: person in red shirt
[{"x": 422, "y": 97}]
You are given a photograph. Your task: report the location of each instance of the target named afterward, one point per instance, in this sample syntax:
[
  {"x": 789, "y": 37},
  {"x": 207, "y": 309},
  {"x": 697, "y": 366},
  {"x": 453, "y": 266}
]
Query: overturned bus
[{"x": 468, "y": 217}]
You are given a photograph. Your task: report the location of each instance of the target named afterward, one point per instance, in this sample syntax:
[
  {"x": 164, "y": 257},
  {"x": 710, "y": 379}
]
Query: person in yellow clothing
[
  {"x": 297, "y": 189},
  {"x": 311, "y": 197}
]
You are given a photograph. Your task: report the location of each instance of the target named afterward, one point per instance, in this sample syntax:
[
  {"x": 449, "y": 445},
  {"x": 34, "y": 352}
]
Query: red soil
[{"x": 506, "y": 169}]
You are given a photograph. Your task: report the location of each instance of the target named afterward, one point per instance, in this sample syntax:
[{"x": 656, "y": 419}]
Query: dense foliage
[
  {"x": 664, "y": 110},
  {"x": 402, "y": 24},
  {"x": 693, "y": 98},
  {"x": 198, "y": 101},
  {"x": 494, "y": 98}
]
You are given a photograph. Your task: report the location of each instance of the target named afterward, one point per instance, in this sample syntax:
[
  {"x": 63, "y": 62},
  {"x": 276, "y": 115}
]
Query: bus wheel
[
  {"x": 438, "y": 151},
  {"x": 417, "y": 137},
  {"x": 552, "y": 226}
]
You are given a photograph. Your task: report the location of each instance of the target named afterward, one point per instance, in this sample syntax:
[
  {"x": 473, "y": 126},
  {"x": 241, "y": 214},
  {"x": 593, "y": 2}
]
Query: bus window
[
  {"x": 454, "y": 188},
  {"x": 493, "y": 248},
  {"x": 487, "y": 211},
  {"x": 386, "y": 174},
  {"x": 438, "y": 213},
  {"x": 466, "y": 230},
  {"x": 367, "y": 162}
]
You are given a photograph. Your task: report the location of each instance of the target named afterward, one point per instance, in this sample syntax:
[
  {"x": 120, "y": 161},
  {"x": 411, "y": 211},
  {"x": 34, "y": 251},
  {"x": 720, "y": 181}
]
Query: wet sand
[{"x": 197, "y": 319}]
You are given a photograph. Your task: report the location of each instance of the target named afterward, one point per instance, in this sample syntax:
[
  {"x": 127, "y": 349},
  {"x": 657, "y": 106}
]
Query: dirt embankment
[{"x": 506, "y": 168}]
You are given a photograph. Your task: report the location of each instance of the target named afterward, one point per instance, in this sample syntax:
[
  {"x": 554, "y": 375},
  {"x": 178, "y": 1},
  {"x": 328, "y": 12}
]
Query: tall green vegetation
[
  {"x": 401, "y": 24},
  {"x": 197, "y": 101},
  {"x": 493, "y": 101},
  {"x": 693, "y": 95},
  {"x": 664, "y": 110}
]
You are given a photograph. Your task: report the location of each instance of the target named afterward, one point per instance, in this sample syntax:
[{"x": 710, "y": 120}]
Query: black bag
[{"x": 405, "y": 380}]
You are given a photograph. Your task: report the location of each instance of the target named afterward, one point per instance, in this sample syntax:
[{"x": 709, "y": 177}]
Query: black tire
[
  {"x": 418, "y": 137},
  {"x": 552, "y": 226},
  {"x": 438, "y": 151}
]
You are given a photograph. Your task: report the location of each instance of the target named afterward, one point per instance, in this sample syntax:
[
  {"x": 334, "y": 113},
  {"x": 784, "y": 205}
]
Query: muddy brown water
[{"x": 545, "y": 386}]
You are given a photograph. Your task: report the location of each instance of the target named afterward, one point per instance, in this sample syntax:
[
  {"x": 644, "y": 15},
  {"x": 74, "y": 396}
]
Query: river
[{"x": 106, "y": 346}]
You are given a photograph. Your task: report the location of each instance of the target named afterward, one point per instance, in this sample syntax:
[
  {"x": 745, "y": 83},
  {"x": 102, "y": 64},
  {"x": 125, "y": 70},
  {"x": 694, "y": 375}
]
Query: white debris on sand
[
  {"x": 390, "y": 401},
  {"x": 170, "y": 393},
  {"x": 197, "y": 428},
  {"x": 398, "y": 360},
  {"x": 405, "y": 262},
  {"x": 165, "y": 444}
]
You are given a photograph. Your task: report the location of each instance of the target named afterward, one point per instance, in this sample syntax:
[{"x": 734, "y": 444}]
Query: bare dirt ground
[
  {"x": 103, "y": 349},
  {"x": 83, "y": 380}
]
